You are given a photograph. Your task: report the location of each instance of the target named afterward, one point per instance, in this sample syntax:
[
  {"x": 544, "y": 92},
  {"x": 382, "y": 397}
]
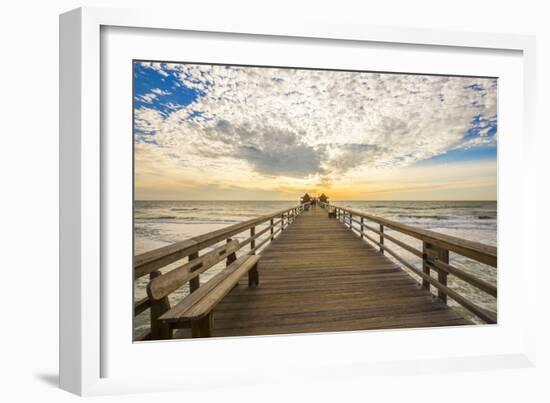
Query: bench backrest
[{"x": 169, "y": 282}]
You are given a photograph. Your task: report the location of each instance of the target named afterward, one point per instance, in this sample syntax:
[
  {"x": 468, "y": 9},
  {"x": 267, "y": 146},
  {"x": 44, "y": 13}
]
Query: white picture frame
[{"x": 84, "y": 341}]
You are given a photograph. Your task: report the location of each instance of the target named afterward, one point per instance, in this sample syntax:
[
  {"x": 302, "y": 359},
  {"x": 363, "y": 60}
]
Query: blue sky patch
[
  {"x": 462, "y": 155},
  {"x": 474, "y": 87},
  {"x": 160, "y": 90},
  {"x": 251, "y": 116}
]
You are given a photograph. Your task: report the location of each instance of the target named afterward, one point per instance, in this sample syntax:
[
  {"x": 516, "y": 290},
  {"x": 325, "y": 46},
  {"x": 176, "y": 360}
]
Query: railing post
[
  {"x": 431, "y": 253},
  {"x": 362, "y": 226},
  {"x": 381, "y": 238},
  {"x": 442, "y": 255},
  {"x": 195, "y": 283},
  {"x": 425, "y": 267},
  {"x": 441, "y": 275},
  {"x": 271, "y": 225},
  {"x": 232, "y": 257},
  {"x": 253, "y": 242},
  {"x": 159, "y": 330},
  {"x": 351, "y": 221},
  {"x": 282, "y": 221}
]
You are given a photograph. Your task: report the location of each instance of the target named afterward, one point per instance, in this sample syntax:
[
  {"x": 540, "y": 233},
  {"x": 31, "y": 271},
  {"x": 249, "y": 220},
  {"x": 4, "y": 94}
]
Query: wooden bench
[
  {"x": 196, "y": 309},
  {"x": 331, "y": 212}
]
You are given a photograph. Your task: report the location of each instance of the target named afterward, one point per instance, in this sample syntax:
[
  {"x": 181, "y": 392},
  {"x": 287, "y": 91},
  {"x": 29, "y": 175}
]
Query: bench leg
[
  {"x": 202, "y": 327},
  {"x": 253, "y": 276},
  {"x": 168, "y": 332},
  {"x": 159, "y": 330}
]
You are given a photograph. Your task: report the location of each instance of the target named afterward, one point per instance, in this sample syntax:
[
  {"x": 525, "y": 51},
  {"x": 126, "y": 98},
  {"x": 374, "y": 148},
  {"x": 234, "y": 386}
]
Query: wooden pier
[{"x": 309, "y": 269}]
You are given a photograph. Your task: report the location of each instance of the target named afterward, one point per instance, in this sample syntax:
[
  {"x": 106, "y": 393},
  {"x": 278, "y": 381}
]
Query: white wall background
[{"x": 29, "y": 201}]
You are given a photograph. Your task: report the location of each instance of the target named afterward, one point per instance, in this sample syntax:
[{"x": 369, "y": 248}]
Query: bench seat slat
[
  {"x": 206, "y": 304},
  {"x": 182, "y": 310},
  {"x": 163, "y": 285},
  {"x": 179, "y": 309}
]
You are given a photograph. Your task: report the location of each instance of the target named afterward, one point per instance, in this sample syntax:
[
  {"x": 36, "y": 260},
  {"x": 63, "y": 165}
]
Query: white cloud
[
  {"x": 307, "y": 124},
  {"x": 160, "y": 92},
  {"x": 148, "y": 121},
  {"x": 147, "y": 98}
]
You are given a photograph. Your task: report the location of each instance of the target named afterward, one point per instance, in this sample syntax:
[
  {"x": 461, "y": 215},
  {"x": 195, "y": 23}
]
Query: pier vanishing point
[{"x": 312, "y": 268}]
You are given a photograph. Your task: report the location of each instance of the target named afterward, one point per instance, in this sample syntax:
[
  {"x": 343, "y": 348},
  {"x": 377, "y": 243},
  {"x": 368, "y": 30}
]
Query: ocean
[{"x": 160, "y": 223}]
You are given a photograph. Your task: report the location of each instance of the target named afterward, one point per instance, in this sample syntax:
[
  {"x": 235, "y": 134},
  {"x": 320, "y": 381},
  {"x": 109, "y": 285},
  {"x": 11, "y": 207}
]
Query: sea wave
[
  {"x": 455, "y": 218},
  {"x": 184, "y": 220},
  {"x": 427, "y": 217}
]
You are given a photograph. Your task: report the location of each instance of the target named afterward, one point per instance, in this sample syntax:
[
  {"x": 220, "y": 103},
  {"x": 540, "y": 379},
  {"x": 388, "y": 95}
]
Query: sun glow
[{"x": 247, "y": 133}]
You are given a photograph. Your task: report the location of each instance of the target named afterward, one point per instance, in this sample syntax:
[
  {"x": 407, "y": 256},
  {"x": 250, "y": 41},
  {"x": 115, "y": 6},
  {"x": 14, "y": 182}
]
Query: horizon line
[{"x": 340, "y": 200}]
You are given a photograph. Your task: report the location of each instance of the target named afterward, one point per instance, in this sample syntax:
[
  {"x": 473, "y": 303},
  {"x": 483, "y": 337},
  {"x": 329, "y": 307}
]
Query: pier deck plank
[{"x": 318, "y": 276}]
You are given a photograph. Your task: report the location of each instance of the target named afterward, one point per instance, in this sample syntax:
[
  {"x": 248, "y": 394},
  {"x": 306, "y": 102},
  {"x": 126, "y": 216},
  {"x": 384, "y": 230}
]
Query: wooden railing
[
  {"x": 149, "y": 263},
  {"x": 434, "y": 255}
]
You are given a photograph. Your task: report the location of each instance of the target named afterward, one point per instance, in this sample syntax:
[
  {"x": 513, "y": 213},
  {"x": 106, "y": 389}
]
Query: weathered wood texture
[
  {"x": 318, "y": 276},
  {"x": 148, "y": 262},
  {"x": 474, "y": 250}
]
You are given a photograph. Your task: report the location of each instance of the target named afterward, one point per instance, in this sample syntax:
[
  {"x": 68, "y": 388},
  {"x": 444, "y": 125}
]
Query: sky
[{"x": 216, "y": 132}]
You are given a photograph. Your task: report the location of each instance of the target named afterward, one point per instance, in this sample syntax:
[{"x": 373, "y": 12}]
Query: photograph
[{"x": 271, "y": 200}]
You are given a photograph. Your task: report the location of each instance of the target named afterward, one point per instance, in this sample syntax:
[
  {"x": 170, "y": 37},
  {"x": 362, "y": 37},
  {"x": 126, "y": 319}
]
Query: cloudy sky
[{"x": 248, "y": 133}]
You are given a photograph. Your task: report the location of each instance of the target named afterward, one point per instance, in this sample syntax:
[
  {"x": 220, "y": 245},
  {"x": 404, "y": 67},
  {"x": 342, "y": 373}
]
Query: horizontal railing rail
[
  {"x": 434, "y": 255},
  {"x": 149, "y": 263}
]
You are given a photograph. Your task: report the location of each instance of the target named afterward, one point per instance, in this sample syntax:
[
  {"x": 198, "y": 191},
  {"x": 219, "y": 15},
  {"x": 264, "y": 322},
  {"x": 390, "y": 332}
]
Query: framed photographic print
[
  {"x": 259, "y": 198},
  {"x": 232, "y": 167}
]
